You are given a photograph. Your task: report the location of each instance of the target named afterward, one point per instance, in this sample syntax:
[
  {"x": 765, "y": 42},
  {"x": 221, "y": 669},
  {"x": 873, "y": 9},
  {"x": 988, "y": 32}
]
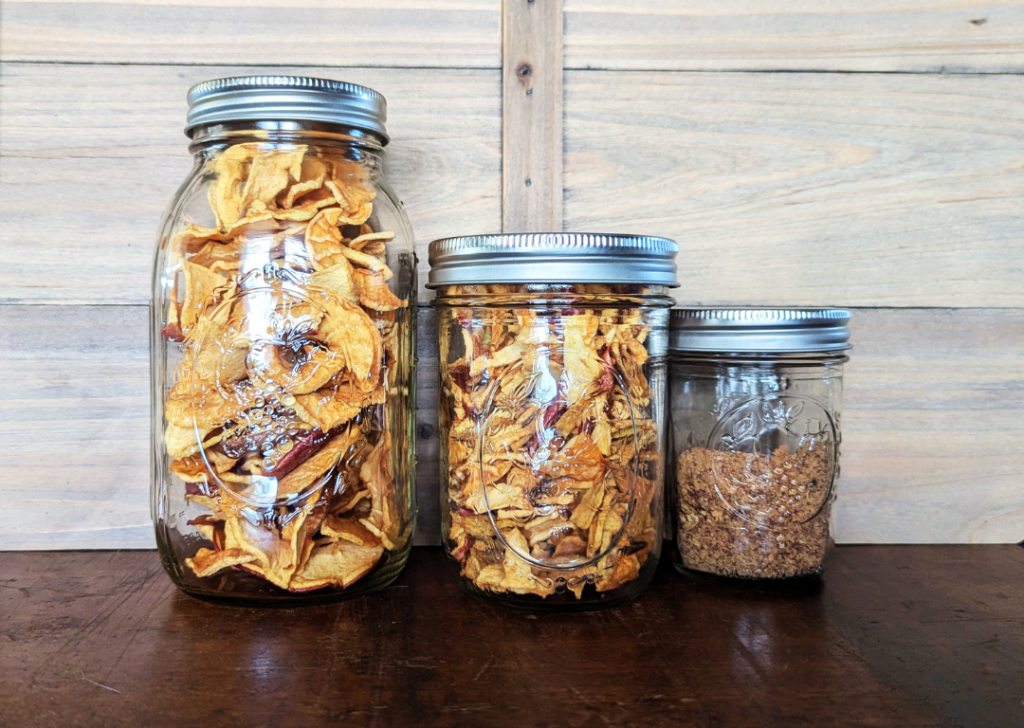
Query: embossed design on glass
[
  {"x": 796, "y": 430},
  {"x": 555, "y": 471}
]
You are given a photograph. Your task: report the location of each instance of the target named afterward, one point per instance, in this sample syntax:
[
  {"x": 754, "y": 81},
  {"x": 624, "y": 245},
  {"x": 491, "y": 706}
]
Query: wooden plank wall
[{"x": 829, "y": 152}]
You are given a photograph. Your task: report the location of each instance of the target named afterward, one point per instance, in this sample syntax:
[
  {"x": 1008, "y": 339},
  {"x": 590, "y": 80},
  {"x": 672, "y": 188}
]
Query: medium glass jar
[
  {"x": 282, "y": 339},
  {"x": 552, "y": 393},
  {"x": 755, "y": 402}
]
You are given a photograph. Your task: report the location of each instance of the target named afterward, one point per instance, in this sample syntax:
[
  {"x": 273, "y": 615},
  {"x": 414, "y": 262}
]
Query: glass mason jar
[
  {"x": 552, "y": 393},
  {"x": 282, "y": 339},
  {"x": 755, "y": 403}
]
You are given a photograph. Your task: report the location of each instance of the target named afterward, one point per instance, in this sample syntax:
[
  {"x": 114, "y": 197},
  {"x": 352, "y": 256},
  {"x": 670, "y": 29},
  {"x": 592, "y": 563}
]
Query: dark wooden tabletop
[{"x": 891, "y": 636}]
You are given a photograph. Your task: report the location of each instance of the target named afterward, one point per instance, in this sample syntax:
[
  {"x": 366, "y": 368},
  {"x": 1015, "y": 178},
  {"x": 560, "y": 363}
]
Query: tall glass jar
[
  {"x": 756, "y": 397},
  {"x": 282, "y": 339},
  {"x": 552, "y": 392}
]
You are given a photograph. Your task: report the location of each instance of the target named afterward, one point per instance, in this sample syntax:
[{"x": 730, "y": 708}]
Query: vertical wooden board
[
  {"x": 408, "y": 33},
  {"x": 804, "y": 189},
  {"x": 532, "y": 115},
  {"x": 932, "y": 428},
  {"x": 828, "y": 35},
  {"x": 91, "y": 155}
]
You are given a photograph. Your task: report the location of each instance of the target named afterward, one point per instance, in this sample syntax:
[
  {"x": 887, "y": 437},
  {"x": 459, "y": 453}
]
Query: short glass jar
[
  {"x": 755, "y": 403},
  {"x": 552, "y": 393},
  {"x": 282, "y": 340}
]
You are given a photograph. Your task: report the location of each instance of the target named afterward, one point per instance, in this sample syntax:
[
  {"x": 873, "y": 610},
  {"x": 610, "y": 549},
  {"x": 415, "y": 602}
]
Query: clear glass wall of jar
[
  {"x": 552, "y": 397},
  {"x": 284, "y": 298},
  {"x": 755, "y": 404}
]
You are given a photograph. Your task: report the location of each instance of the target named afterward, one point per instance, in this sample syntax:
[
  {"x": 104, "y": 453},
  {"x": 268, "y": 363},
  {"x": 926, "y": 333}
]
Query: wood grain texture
[
  {"x": 74, "y": 427},
  {"x": 829, "y": 35},
  {"x": 856, "y": 189},
  {"x": 407, "y": 33},
  {"x": 907, "y": 637},
  {"x": 91, "y": 155},
  {"x": 532, "y": 115},
  {"x": 931, "y": 426}
]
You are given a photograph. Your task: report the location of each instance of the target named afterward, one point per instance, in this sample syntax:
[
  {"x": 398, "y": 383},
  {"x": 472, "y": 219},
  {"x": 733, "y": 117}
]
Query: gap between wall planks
[{"x": 531, "y": 151}]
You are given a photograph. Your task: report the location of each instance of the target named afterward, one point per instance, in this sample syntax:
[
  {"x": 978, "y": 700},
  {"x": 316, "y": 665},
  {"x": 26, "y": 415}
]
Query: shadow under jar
[
  {"x": 552, "y": 393},
  {"x": 755, "y": 405},
  {"x": 282, "y": 339}
]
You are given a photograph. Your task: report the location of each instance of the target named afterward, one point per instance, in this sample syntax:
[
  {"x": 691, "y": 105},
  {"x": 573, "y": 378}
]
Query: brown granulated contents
[{"x": 753, "y": 516}]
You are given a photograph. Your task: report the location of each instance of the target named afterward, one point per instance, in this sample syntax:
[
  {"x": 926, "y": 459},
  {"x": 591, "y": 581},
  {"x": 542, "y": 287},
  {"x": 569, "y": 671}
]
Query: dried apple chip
[
  {"x": 323, "y": 237},
  {"x": 206, "y": 405},
  {"x": 311, "y": 470},
  {"x": 312, "y": 174},
  {"x": 361, "y": 241},
  {"x": 346, "y": 340},
  {"x": 225, "y": 195},
  {"x": 373, "y": 291},
  {"x": 269, "y": 174},
  {"x": 340, "y": 564},
  {"x": 276, "y": 548},
  {"x": 201, "y": 285},
  {"x": 348, "y": 529},
  {"x": 337, "y": 279},
  {"x": 376, "y": 477},
  {"x": 369, "y": 262},
  {"x": 208, "y": 563},
  {"x": 197, "y": 469},
  {"x": 359, "y": 208}
]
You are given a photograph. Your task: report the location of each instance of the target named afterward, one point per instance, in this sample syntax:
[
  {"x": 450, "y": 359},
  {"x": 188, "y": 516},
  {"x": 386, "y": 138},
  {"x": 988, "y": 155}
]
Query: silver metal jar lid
[
  {"x": 759, "y": 330},
  {"x": 286, "y": 98},
  {"x": 553, "y": 258}
]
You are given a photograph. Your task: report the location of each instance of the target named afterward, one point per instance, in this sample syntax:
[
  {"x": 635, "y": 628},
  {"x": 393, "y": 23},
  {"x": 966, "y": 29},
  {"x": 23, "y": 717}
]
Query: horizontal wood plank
[
  {"x": 91, "y": 155},
  {"x": 862, "y": 189},
  {"x": 932, "y": 427},
  {"x": 794, "y": 188},
  {"x": 830, "y": 35},
  {"x": 406, "y": 33},
  {"x": 931, "y": 442},
  {"x": 74, "y": 427}
]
